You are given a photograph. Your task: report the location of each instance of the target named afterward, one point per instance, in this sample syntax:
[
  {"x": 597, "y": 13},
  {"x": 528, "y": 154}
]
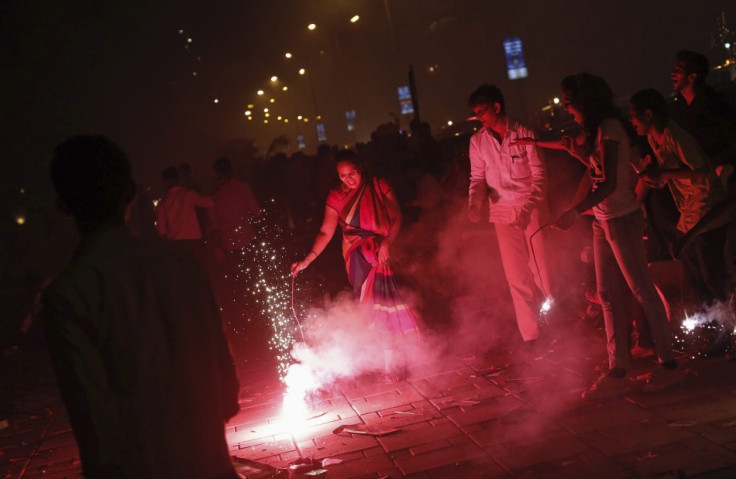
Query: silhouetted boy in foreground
[{"x": 135, "y": 336}]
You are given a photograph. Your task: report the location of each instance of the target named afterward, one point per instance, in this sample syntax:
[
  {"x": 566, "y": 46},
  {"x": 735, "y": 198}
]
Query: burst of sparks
[
  {"x": 300, "y": 381},
  {"x": 268, "y": 282},
  {"x": 546, "y": 305},
  {"x": 710, "y": 330},
  {"x": 689, "y": 324}
]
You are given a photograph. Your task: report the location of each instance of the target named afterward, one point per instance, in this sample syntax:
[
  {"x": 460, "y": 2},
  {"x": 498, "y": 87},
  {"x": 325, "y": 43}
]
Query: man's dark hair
[
  {"x": 184, "y": 169},
  {"x": 694, "y": 63},
  {"x": 651, "y": 99},
  {"x": 590, "y": 95},
  {"x": 487, "y": 95},
  {"x": 170, "y": 174},
  {"x": 92, "y": 176},
  {"x": 223, "y": 165},
  {"x": 323, "y": 149}
]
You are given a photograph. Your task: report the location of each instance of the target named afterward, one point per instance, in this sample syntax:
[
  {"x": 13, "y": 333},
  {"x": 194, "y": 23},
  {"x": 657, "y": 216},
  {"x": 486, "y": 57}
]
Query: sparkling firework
[
  {"x": 300, "y": 382},
  {"x": 546, "y": 305},
  {"x": 708, "y": 332},
  {"x": 264, "y": 272}
]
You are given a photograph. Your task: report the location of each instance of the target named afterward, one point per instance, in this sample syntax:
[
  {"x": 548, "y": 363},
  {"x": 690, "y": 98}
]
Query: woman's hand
[
  {"x": 571, "y": 146},
  {"x": 383, "y": 253},
  {"x": 300, "y": 265},
  {"x": 654, "y": 177}
]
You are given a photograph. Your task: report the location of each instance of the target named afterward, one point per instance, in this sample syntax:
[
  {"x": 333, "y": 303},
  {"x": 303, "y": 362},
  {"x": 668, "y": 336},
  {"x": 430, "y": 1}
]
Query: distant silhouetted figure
[
  {"x": 235, "y": 205},
  {"x": 134, "y": 333},
  {"x": 702, "y": 112},
  {"x": 176, "y": 213}
]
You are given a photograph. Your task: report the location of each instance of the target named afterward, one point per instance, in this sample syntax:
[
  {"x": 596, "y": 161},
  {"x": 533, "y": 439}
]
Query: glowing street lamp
[
  {"x": 284, "y": 88},
  {"x": 312, "y": 26},
  {"x": 302, "y": 71},
  {"x": 274, "y": 79},
  {"x": 288, "y": 55},
  {"x": 260, "y": 92},
  {"x": 247, "y": 112},
  {"x": 354, "y": 18}
]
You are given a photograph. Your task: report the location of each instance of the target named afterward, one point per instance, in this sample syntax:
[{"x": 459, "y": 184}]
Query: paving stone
[
  {"x": 720, "y": 432},
  {"x": 336, "y": 444},
  {"x": 371, "y": 387},
  {"x": 57, "y": 470},
  {"x": 455, "y": 382},
  {"x": 61, "y": 453},
  {"x": 394, "y": 398},
  {"x": 474, "y": 469},
  {"x": 313, "y": 431},
  {"x": 520, "y": 455},
  {"x": 443, "y": 457},
  {"x": 690, "y": 393},
  {"x": 694, "y": 457},
  {"x": 518, "y": 425},
  {"x": 403, "y": 415},
  {"x": 59, "y": 439},
  {"x": 640, "y": 436},
  {"x": 601, "y": 467},
  {"x": 362, "y": 465},
  {"x": 338, "y": 406},
  {"x": 11, "y": 470},
  {"x": 429, "y": 447},
  {"x": 255, "y": 450},
  {"x": 708, "y": 409},
  {"x": 590, "y": 417},
  {"x": 256, "y": 412},
  {"x": 486, "y": 411},
  {"x": 417, "y": 434}
]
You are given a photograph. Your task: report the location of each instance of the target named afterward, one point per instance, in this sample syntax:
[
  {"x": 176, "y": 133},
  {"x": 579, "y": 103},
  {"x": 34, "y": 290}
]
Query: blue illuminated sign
[{"x": 515, "y": 63}]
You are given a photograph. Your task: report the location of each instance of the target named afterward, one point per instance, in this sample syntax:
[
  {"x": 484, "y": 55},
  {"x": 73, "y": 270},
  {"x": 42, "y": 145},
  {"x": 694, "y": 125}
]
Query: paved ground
[{"x": 508, "y": 414}]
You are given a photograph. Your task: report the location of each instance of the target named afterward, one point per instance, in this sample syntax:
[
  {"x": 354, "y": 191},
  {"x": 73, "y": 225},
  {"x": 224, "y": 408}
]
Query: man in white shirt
[{"x": 514, "y": 179}]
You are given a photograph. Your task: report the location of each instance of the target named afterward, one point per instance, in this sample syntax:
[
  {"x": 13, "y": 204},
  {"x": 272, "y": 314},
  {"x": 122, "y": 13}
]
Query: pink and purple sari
[{"x": 365, "y": 223}]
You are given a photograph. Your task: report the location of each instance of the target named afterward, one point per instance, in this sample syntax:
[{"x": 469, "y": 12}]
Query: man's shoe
[
  {"x": 607, "y": 387},
  {"x": 662, "y": 378}
]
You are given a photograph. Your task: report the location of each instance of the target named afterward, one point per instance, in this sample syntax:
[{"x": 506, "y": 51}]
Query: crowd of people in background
[{"x": 687, "y": 145}]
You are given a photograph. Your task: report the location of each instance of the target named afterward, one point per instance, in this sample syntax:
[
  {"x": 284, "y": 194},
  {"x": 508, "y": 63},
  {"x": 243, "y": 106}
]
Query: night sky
[{"x": 124, "y": 68}]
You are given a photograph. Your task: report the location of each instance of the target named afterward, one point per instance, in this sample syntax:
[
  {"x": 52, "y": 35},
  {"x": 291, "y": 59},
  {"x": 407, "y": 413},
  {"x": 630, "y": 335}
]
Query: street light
[
  {"x": 354, "y": 18},
  {"x": 274, "y": 79},
  {"x": 311, "y": 26},
  {"x": 288, "y": 55},
  {"x": 260, "y": 92}
]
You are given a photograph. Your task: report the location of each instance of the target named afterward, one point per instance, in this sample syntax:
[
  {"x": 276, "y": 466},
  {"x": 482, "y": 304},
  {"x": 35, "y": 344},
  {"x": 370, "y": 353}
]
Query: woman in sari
[{"x": 368, "y": 212}]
